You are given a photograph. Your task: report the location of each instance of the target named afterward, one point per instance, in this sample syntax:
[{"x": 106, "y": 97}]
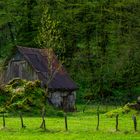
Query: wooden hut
[{"x": 42, "y": 64}]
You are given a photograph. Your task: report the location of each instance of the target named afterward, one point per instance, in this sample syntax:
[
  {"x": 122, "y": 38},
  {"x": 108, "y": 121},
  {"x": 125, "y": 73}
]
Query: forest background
[{"x": 97, "y": 40}]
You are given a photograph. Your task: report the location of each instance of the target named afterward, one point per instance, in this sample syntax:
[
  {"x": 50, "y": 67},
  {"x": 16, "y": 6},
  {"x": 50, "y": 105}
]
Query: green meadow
[{"x": 81, "y": 126}]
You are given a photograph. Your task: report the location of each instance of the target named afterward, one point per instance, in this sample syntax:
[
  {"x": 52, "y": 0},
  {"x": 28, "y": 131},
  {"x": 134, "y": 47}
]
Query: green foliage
[
  {"x": 53, "y": 112},
  {"x": 99, "y": 40},
  {"x": 49, "y": 35},
  {"x": 25, "y": 96},
  {"x": 4, "y": 99},
  {"x": 122, "y": 110}
]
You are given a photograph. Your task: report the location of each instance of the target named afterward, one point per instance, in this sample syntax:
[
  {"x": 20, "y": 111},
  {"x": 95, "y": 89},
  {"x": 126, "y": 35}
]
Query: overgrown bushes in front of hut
[{"x": 26, "y": 97}]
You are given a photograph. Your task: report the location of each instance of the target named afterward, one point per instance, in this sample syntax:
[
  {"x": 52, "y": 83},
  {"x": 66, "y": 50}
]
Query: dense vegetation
[
  {"x": 22, "y": 96},
  {"x": 98, "y": 40}
]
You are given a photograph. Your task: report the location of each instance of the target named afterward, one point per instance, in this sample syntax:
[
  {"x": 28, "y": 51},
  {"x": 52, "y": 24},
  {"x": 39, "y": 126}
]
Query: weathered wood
[
  {"x": 98, "y": 117},
  {"x": 66, "y": 124},
  {"x": 19, "y": 67},
  {"x": 44, "y": 124},
  {"x": 135, "y": 122},
  {"x": 98, "y": 121},
  {"x": 117, "y": 122},
  {"x": 22, "y": 123},
  {"x": 3, "y": 116}
]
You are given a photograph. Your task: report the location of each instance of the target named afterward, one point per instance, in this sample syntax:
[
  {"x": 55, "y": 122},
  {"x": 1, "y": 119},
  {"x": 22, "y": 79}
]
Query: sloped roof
[{"x": 45, "y": 63}]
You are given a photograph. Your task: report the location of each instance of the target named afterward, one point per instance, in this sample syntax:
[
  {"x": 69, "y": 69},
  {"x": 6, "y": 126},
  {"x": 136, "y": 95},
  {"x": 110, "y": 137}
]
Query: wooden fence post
[
  {"x": 21, "y": 118},
  {"x": 135, "y": 122},
  {"x": 66, "y": 125},
  {"x": 3, "y": 116},
  {"x": 98, "y": 117},
  {"x": 117, "y": 122},
  {"x": 98, "y": 121}
]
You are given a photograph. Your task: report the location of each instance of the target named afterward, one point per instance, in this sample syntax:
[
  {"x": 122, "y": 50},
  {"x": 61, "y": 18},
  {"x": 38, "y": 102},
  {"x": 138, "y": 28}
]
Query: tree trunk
[
  {"x": 43, "y": 124},
  {"x": 11, "y": 33}
]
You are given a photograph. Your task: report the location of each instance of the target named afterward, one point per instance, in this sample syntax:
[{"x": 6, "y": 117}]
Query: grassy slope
[{"x": 82, "y": 126}]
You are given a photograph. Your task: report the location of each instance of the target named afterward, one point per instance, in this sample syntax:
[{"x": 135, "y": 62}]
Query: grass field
[{"x": 81, "y": 126}]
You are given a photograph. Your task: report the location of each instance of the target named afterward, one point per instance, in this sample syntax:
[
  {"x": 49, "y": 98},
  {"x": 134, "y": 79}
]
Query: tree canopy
[{"x": 98, "y": 39}]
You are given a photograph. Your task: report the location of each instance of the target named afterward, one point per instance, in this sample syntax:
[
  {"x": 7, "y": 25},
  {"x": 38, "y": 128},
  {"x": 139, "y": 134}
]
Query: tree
[
  {"x": 99, "y": 40},
  {"x": 49, "y": 37},
  {"x": 48, "y": 34},
  {"x": 23, "y": 97}
]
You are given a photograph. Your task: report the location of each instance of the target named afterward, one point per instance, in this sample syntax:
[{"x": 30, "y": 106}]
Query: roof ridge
[{"x": 20, "y": 47}]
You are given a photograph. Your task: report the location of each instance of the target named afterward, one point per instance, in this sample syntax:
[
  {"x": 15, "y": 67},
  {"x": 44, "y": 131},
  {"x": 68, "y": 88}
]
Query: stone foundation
[{"x": 64, "y": 100}]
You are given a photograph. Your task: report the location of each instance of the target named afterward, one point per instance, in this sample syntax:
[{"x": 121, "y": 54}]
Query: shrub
[
  {"x": 25, "y": 96},
  {"x": 122, "y": 110}
]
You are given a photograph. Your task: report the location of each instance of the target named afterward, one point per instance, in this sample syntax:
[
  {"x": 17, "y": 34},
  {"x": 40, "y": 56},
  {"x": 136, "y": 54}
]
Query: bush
[
  {"x": 122, "y": 110},
  {"x": 26, "y": 97}
]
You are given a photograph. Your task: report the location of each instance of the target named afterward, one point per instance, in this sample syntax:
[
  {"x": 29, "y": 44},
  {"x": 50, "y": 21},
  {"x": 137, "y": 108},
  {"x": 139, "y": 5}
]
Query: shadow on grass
[
  {"x": 7, "y": 129},
  {"x": 33, "y": 131}
]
